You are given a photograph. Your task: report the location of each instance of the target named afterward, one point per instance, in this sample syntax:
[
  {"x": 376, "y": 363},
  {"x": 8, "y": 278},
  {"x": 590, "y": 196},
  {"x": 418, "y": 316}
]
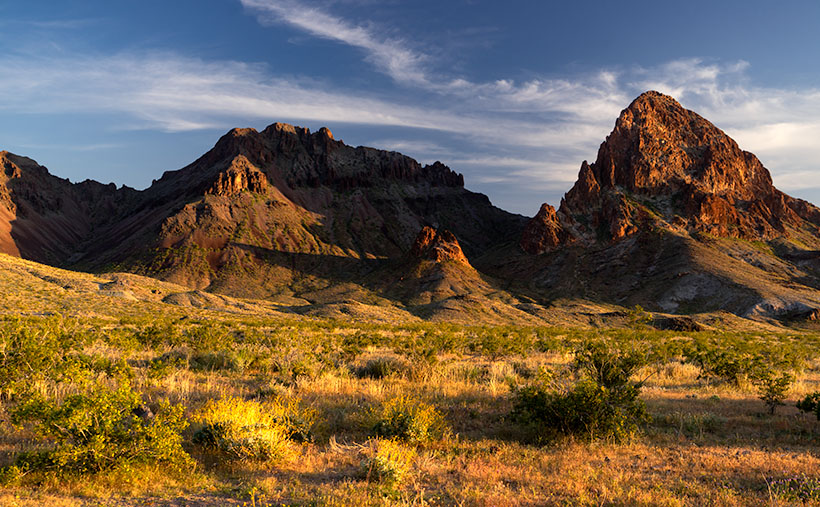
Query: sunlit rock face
[{"x": 667, "y": 167}]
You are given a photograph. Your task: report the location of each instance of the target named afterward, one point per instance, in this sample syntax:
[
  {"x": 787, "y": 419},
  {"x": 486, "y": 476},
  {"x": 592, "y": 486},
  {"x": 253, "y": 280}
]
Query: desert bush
[
  {"x": 736, "y": 360},
  {"x": 772, "y": 387},
  {"x": 251, "y": 430},
  {"x": 410, "y": 420},
  {"x": 165, "y": 365},
  {"x": 219, "y": 360},
  {"x": 611, "y": 369},
  {"x": 731, "y": 366},
  {"x": 106, "y": 429},
  {"x": 810, "y": 404},
  {"x": 92, "y": 363},
  {"x": 638, "y": 317},
  {"x": 419, "y": 350},
  {"x": 495, "y": 343},
  {"x": 604, "y": 403},
  {"x": 380, "y": 368},
  {"x": 207, "y": 337},
  {"x": 289, "y": 366},
  {"x": 158, "y": 334},
  {"x": 387, "y": 461},
  {"x": 31, "y": 352}
]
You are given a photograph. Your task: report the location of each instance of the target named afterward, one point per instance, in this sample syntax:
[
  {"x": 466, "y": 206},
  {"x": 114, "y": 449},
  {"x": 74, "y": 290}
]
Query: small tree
[{"x": 772, "y": 388}]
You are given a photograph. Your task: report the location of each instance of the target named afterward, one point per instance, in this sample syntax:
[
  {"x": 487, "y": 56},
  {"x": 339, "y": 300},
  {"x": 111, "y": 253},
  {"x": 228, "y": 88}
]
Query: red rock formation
[
  {"x": 543, "y": 232},
  {"x": 241, "y": 175},
  {"x": 437, "y": 246},
  {"x": 662, "y": 165}
]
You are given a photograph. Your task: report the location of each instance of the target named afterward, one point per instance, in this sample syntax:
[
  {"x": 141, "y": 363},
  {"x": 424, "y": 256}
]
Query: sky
[{"x": 514, "y": 95}]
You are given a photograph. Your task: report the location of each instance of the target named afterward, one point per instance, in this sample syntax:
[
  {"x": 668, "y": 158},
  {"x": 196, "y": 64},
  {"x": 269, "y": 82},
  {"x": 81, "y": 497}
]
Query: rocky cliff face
[
  {"x": 46, "y": 218},
  {"x": 664, "y": 166},
  {"x": 438, "y": 246},
  {"x": 254, "y": 215},
  {"x": 675, "y": 217}
]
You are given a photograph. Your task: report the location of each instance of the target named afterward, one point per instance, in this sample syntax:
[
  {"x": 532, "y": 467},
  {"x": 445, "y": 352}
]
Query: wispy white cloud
[
  {"x": 525, "y": 136},
  {"x": 392, "y": 56}
]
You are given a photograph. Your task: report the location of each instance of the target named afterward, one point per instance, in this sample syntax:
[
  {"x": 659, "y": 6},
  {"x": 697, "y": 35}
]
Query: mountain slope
[
  {"x": 673, "y": 215},
  {"x": 274, "y": 213}
]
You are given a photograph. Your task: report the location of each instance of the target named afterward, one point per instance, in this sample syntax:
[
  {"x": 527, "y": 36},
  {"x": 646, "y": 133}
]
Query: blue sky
[{"x": 513, "y": 94}]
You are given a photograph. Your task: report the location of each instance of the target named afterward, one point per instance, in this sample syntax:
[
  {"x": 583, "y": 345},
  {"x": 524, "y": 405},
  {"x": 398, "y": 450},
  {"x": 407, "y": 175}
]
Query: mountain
[
  {"x": 673, "y": 215},
  {"x": 282, "y": 213},
  {"x": 46, "y": 218}
]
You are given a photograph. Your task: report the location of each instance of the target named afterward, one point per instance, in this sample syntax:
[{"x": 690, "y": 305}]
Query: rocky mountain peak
[
  {"x": 239, "y": 176},
  {"x": 665, "y": 166},
  {"x": 544, "y": 232},
  {"x": 657, "y": 146},
  {"x": 437, "y": 246}
]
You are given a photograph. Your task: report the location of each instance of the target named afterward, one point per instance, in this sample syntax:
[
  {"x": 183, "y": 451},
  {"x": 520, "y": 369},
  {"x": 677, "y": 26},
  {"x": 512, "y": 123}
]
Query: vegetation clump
[
  {"x": 387, "y": 461},
  {"x": 241, "y": 429},
  {"x": 103, "y": 430},
  {"x": 810, "y": 404},
  {"x": 799, "y": 488},
  {"x": 603, "y": 403},
  {"x": 410, "y": 420},
  {"x": 772, "y": 388},
  {"x": 381, "y": 367}
]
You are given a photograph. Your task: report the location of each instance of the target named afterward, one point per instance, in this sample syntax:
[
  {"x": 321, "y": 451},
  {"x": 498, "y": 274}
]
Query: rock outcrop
[
  {"x": 438, "y": 246},
  {"x": 666, "y": 167},
  {"x": 544, "y": 232},
  {"x": 240, "y": 176}
]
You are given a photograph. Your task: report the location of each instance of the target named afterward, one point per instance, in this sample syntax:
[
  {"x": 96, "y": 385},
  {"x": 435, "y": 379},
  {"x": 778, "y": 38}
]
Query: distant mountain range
[{"x": 672, "y": 216}]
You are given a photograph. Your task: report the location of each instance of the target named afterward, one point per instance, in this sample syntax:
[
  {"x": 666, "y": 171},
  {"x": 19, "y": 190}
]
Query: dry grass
[{"x": 709, "y": 443}]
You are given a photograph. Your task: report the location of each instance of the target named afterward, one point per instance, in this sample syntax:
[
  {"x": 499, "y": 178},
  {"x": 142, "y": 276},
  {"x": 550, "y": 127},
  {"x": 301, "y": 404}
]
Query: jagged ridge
[{"x": 665, "y": 166}]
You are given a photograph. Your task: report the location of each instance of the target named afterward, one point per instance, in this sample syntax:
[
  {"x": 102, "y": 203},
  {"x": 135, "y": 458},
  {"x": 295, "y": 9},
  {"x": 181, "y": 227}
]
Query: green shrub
[
  {"x": 810, "y": 404},
  {"x": 603, "y": 404},
  {"x": 410, "y": 420},
  {"x": 585, "y": 409},
  {"x": 380, "y": 368},
  {"x": 165, "y": 365},
  {"x": 772, "y": 388},
  {"x": 607, "y": 368},
  {"x": 101, "y": 431},
  {"x": 205, "y": 337},
  {"x": 419, "y": 349},
  {"x": 731, "y": 366},
  {"x": 387, "y": 461},
  {"x": 220, "y": 360},
  {"x": 251, "y": 430},
  {"x": 156, "y": 334},
  {"x": 30, "y": 352}
]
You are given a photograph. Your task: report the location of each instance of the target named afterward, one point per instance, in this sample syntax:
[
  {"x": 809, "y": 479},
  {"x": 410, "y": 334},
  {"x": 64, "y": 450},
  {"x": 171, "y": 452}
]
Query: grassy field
[
  {"x": 110, "y": 396},
  {"x": 711, "y": 440}
]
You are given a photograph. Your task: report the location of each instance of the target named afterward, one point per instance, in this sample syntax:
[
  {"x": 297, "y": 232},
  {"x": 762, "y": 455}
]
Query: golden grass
[{"x": 709, "y": 443}]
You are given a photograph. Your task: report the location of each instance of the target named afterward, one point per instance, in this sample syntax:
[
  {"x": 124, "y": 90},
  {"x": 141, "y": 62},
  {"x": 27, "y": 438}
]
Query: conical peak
[
  {"x": 655, "y": 113},
  {"x": 695, "y": 176},
  {"x": 657, "y": 146},
  {"x": 652, "y": 100}
]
